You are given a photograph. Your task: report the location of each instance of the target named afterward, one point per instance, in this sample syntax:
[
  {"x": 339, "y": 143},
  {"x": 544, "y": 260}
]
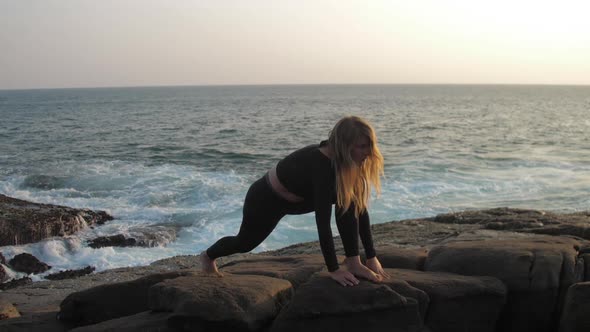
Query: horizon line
[{"x": 291, "y": 84}]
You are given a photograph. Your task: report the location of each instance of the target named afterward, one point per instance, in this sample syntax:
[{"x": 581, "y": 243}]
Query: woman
[{"x": 338, "y": 171}]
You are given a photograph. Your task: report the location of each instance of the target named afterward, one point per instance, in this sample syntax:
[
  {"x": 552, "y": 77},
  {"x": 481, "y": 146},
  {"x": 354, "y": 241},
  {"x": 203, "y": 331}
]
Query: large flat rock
[
  {"x": 537, "y": 271},
  {"x": 322, "y": 305},
  {"x": 210, "y": 303},
  {"x": 456, "y": 302},
  {"x": 576, "y": 314}
]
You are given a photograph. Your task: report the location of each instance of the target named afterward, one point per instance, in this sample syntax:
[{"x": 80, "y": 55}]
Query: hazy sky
[{"x": 80, "y": 43}]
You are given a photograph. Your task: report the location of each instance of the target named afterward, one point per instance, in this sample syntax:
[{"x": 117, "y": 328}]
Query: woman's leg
[{"x": 261, "y": 213}]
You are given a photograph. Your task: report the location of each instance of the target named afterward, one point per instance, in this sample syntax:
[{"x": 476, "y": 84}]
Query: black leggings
[{"x": 263, "y": 209}]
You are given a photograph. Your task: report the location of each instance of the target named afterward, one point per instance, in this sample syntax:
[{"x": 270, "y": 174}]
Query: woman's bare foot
[
  {"x": 354, "y": 265},
  {"x": 208, "y": 265}
]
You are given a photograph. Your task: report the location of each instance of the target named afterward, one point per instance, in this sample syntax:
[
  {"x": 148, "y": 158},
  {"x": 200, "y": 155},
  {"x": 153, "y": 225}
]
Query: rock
[
  {"x": 69, "y": 274},
  {"x": 7, "y": 310},
  {"x": 537, "y": 271},
  {"x": 44, "y": 321},
  {"x": 297, "y": 269},
  {"x": 457, "y": 303},
  {"x": 232, "y": 303},
  {"x": 146, "y": 321},
  {"x": 111, "y": 301},
  {"x": 3, "y": 274},
  {"x": 112, "y": 241},
  {"x": 394, "y": 257},
  {"x": 2, "y": 259},
  {"x": 28, "y": 263},
  {"x": 15, "y": 283},
  {"x": 26, "y": 222},
  {"x": 323, "y": 305},
  {"x": 576, "y": 311},
  {"x": 586, "y": 259},
  {"x": 404, "y": 289}
]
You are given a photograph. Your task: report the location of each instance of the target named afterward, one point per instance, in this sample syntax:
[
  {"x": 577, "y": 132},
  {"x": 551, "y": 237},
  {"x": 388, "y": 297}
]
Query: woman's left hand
[{"x": 375, "y": 266}]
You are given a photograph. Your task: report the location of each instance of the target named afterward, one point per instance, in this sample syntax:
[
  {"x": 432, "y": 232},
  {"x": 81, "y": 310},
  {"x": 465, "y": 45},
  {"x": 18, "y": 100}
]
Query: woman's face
[{"x": 361, "y": 149}]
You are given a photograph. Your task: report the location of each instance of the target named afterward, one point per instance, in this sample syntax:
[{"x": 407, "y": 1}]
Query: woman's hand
[
  {"x": 344, "y": 277},
  {"x": 375, "y": 266}
]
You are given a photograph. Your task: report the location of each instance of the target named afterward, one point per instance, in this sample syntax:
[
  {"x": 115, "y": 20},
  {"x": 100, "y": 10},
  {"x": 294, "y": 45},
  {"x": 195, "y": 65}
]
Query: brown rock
[
  {"x": 28, "y": 263},
  {"x": 406, "y": 290},
  {"x": 146, "y": 321},
  {"x": 111, "y": 301},
  {"x": 70, "y": 274},
  {"x": 15, "y": 283},
  {"x": 535, "y": 271},
  {"x": 26, "y": 222},
  {"x": 457, "y": 303},
  {"x": 44, "y": 321},
  {"x": 232, "y": 303},
  {"x": 7, "y": 310},
  {"x": 399, "y": 258},
  {"x": 297, "y": 268},
  {"x": 576, "y": 311},
  {"x": 324, "y": 305},
  {"x": 118, "y": 240}
]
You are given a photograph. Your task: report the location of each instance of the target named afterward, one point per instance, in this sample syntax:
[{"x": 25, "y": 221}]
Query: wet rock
[
  {"x": 323, "y": 305},
  {"x": 537, "y": 271},
  {"x": 297, "y": 269},
  {"x": 26, "y": 222},
  {"x": 575, "y": 316},
  {"x": 43, "y": 321},
  {"x": 7, "y": 310},
  {"x": 15, "y": 283},
  {"x": 28, "y": 263},
  {"x": 112, "y": 241},
  {"x": 111, "y": 301},
  {"x": 2, "y": 259},
  {"x": 232, "y": 303},
  {"x": 70, "y": 274}
]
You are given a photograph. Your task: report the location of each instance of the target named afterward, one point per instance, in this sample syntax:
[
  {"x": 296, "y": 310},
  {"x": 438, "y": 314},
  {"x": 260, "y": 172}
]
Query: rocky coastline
[{"x": 500, "y": 269}]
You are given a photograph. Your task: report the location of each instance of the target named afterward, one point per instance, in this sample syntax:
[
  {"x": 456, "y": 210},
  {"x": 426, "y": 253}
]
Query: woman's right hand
[{"x": 344, "y": 277}]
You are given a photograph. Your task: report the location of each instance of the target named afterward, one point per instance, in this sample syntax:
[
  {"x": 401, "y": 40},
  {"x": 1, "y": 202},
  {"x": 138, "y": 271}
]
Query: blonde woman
[{"x": 338, "y": 171}]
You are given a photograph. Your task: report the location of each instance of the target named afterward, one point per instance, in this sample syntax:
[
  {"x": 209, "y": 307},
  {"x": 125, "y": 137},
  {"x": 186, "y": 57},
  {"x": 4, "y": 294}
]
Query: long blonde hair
[{"x": 354, "y": 182}]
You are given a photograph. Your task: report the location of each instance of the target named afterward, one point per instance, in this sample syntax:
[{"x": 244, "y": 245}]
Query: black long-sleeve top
[{"x": 309, "y": 174}]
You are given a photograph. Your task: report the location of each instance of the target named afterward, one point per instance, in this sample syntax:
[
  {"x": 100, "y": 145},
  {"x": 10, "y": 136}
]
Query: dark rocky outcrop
[
  {"x": 576, "y": 311},
  {"x": 28, "y": 263},
  {"x": 15, "y": 283},
  {"x": 211, "y": 303},
  {"x": 2, "y": 259},
  {"x": 112, "y": 241},
  {"x": 111, "y": 301},
  {"x": 147, "y": 321},
  {"x": 26, "y": 222},
  {"x": 69, "y": 274},
  {"x": 537, "y": 272}
]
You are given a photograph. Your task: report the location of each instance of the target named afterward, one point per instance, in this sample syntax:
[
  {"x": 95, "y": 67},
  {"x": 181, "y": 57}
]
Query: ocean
[{"x": 173, "y": 164}]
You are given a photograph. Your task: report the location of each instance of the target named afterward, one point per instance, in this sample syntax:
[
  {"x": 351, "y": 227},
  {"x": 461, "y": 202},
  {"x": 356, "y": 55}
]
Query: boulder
[
  {"x": 111, "y": 301},
  {"x": 70, "y": 274},
  {"x": 576, "y": 313},
  {"x": 146, "y": 321},
  {"x": 15, "y": 283},
  {"x": 297, "y": 268},
  {"x": 324, "y": 305},
  {"x": 26, "y": 222},
  {"x": 210, "y": 303},
  {"x": 399, "y": 258},
  {"x": 406, "y": 290},
  {"x": 42, "y": 321},
  {"x": 537, "y": 271},
  {"x": 118, "y": 240},
  {"x": 586, "y": 259},
  {"x": 28, "y": 263},
  {"x": 7, "y": 310},
  {"x": 457, "y": 303}
]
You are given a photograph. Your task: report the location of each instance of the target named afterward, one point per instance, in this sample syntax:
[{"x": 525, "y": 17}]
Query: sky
[{"x": 81, "y": 43}]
